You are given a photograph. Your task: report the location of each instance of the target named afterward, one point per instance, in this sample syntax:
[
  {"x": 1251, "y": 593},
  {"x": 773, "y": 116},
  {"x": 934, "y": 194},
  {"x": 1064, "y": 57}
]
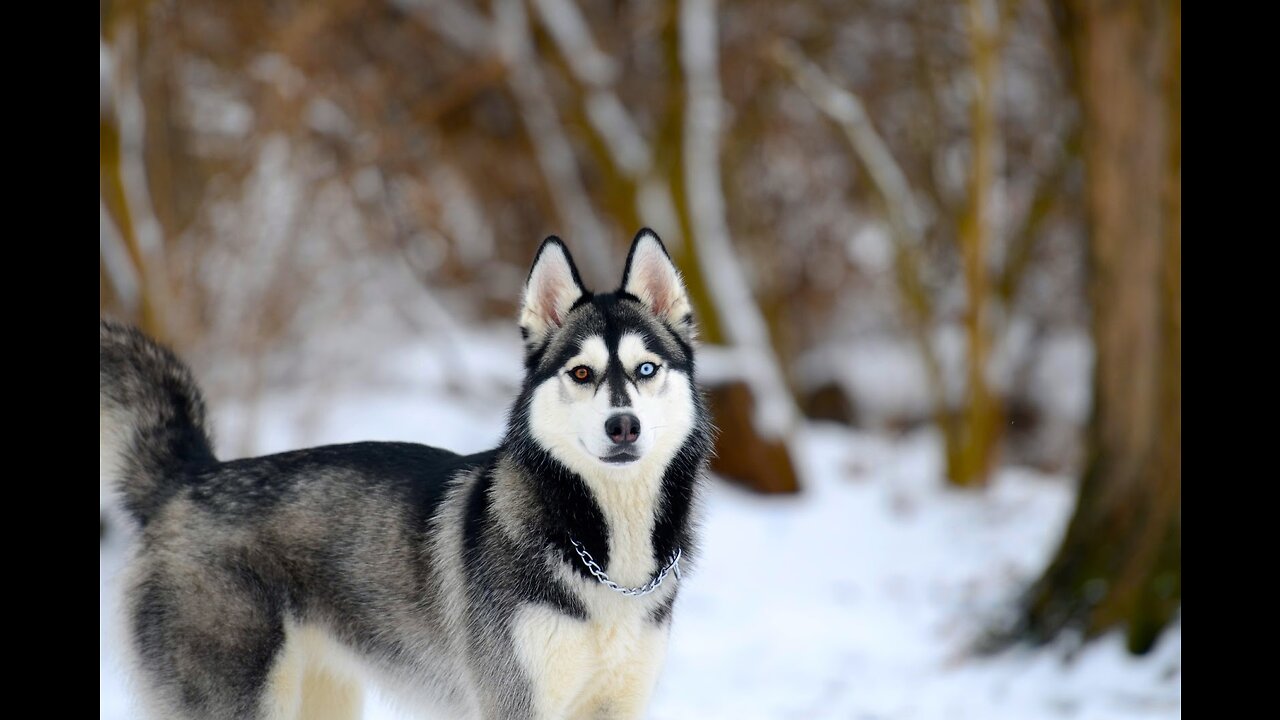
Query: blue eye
[{"x": 646, "y": 370}]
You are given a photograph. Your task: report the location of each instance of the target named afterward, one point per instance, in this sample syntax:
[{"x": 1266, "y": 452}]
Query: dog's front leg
[{"x": 555, "y": 651}]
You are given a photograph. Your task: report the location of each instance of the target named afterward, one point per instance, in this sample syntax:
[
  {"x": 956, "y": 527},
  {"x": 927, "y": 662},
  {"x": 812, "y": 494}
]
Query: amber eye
[{"x": 581, "y": 374}]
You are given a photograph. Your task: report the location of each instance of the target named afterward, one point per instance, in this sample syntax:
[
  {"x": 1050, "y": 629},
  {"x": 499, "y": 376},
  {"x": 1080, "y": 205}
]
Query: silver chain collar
[{"x": 599, "y": 573}]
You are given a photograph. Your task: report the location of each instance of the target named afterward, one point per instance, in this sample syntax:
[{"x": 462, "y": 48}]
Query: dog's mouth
[{"x": 620, "y": 456}]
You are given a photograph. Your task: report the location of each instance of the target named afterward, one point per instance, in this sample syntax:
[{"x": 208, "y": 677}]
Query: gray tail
[{"x": 153, "y": 432}]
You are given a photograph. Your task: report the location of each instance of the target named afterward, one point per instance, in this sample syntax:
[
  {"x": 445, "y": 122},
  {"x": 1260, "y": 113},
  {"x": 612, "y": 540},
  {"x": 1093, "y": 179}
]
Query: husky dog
[{"x": 535, "y": 580}]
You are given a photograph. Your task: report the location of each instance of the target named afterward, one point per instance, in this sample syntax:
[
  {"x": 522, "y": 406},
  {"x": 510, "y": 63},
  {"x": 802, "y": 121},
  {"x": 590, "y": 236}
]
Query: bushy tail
[{"x": 153, "y": 435}]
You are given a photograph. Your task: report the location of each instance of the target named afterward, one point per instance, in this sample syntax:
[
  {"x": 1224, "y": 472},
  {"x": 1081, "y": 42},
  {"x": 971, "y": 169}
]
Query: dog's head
[{"x": 609, "y": 387}]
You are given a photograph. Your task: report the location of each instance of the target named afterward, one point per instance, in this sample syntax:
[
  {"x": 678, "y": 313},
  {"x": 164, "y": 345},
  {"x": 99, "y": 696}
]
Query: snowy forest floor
[{"x": 857, "y": 599}]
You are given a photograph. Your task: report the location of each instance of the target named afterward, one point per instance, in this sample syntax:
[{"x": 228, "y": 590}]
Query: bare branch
[
  {"x": 461, "y": 90},
  {"x": 743, "y": 324},
  {"x": 597, "y": 72},
  {"x": 906, "y": 213},
  {"x": 115, "y": 257},
  {"x": 555, "y": 154},
  {"x": 614, "y": 127},
  {"x": 572, "y": 35},
  {"x": 453, "y": 21},
  {"x": 1022, "y": 239},
  {"x": 508, "y": 35},
  {"x": 908, "y": 219},
  {"x": 144, "y": 235}
]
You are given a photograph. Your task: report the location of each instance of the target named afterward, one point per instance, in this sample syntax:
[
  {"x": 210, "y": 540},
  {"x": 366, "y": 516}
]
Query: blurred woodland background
[{"x": 890, "y": 213}]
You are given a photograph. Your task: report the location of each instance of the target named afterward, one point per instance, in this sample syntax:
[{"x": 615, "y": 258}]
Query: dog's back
[{"x": 249, "y": 574}]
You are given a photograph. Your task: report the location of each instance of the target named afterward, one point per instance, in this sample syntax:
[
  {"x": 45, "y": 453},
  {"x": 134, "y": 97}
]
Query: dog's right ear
[{"x": 549, "y": 293}]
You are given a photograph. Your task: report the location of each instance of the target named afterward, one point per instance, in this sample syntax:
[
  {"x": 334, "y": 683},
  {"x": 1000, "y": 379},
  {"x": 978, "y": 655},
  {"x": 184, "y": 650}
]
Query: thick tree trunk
[
  {"x": 1120, "y": 564},
  {"x": 744, "y": 454}
]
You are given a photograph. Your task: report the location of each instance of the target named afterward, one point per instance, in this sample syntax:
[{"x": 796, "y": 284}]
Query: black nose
[{"x": 622, "y": 429}]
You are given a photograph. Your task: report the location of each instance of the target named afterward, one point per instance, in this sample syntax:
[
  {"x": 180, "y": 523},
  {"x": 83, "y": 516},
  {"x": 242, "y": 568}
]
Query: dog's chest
[{"x": 577, "y": 664}]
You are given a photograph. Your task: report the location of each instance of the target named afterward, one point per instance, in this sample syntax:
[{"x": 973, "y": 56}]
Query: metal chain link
[{"x": 599, "y": 573}]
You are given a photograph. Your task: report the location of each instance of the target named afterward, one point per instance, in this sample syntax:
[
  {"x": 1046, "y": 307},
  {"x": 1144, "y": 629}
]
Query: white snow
[{"x": 857, "y": 599}]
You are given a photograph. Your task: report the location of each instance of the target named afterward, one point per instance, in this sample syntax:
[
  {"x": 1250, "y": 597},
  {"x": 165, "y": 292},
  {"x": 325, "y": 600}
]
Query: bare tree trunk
[
  {"x": 1120, "y": 564},
  {"x": 754, "y": 409},
  {"x": 975, "y": 429},
  {"x": 971, "y": 433},
  {"x": 124, "y": 187}
]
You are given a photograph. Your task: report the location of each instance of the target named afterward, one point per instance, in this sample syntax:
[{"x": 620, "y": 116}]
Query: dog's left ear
[{"x": 652, "y": 277}]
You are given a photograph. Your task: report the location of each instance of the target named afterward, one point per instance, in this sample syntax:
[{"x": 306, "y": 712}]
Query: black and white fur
[{"x": 269, "y": 587}]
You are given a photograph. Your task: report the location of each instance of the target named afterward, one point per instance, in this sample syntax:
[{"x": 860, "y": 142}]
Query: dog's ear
[
  {"x": 549, "y": 293},
  {"x": 653, "y": 278}
]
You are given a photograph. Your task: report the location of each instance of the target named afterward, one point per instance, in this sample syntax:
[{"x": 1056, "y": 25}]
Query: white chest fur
[{"x": 579, "y": 668}]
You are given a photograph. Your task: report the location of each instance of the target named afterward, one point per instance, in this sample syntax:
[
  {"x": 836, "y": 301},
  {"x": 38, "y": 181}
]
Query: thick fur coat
[{"x": 272, "y": 587}]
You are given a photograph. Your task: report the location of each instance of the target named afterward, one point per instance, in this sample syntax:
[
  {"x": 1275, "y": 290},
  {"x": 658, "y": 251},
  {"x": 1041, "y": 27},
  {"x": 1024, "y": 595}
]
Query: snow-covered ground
[{"x": 857, "y": 599}]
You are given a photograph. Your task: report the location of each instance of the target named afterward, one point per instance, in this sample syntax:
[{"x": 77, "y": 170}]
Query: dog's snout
[{"x": 623, "y": 428}]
